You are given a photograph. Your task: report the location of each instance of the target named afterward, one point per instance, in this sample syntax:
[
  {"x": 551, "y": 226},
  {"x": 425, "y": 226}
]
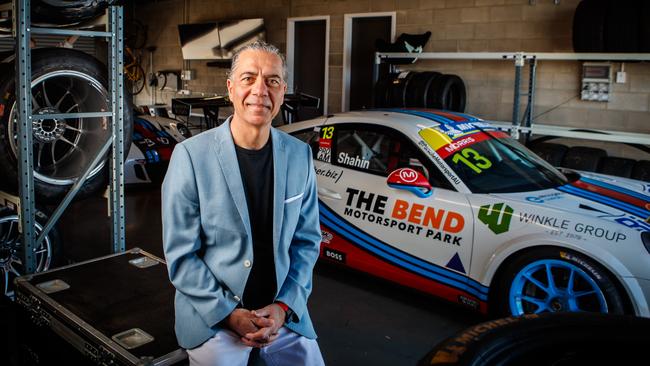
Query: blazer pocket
[{"x": 294, "y": 198}]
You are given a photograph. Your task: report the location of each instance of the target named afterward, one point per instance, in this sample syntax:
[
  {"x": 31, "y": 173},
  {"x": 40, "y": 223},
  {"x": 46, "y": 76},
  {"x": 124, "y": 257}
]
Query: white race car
[{"x": 445, "y": 203}]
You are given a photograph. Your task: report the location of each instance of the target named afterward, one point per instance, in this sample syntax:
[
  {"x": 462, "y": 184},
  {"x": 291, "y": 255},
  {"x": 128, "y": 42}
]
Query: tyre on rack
[
  {"x": 397, "y": 88},
  {"x": 641, "y": 170},
  {"x": 419, "y": 88},
  {"x": 622, "y": 26},
  {"x": 447, "y": 92},
  {"x": 381, "y": 90},
  {"x": 551, "y": 279},
  {"x": 63, "y": 81},
  {"x": 589, "y": 26},
  {"x": 66, "y": 12},
  {"x": 620, "y": 167},
  {"x": 583, "y": 158},
  {"x": 552, "y": 153},
  {"x": 48, "y": 254}
]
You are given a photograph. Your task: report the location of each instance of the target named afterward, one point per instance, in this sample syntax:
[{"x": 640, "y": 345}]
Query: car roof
[{"x": 406, "y": 120}]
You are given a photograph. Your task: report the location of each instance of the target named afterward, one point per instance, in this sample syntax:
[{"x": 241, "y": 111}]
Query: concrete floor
[{"x": 360, "y": 320}]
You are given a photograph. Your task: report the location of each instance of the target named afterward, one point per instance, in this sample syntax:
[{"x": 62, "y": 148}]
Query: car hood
[{"x": 624, "y": 201}]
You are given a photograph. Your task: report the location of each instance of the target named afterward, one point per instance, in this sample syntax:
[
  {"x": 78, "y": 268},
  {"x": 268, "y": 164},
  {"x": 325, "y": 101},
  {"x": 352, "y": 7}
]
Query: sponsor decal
[
  {"x": 408, "y": 175},
  {"x": 354, "y": 161},
  {"x": 325, "y": 144},
  {"x": 326, "y": 236},
  {"x": 579, "y": 231},
  {"x": 585, "y": 265},
  {"x": 455, "y": 130},
  {"x": 324, "y": 154},
  {"x": 545, "y": 197},
  {"x": 633, "y": 222},
  {"x": 335, "y": 175},
  {"x": 497, "y": 217},
  {"x": 456, "y": 145},
  {"x": 440, "y": 163},
  {"x": 430, "y": 222},
  {"x": 334, "y": 255},
  {"x": 469, "y": 302},
  {"x": 454, "y": 349}
]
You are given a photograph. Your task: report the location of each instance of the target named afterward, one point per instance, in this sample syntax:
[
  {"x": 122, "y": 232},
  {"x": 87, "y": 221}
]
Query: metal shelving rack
[
  {"x": 519, "y": 59},
  {"x": 26, "y": 209}
]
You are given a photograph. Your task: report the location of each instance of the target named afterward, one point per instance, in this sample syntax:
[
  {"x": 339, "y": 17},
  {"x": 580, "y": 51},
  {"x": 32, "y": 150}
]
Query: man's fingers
[
  {"x": 263, "y": 322},
  {"x": 263, "y": 334},
  {"x": 262, "y": 312},
  {"x": 250, "y": 343}
]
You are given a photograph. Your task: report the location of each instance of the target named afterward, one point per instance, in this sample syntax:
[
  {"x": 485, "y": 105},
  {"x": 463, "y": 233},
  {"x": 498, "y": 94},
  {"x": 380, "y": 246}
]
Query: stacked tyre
[
  {"x": 612, "y": 26},
  {"x": 414, "y": 89},
  {"x": 591, "y": 159}
]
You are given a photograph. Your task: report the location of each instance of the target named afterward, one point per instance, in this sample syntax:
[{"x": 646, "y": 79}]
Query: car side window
[
  {"x": 309, "y": 137},
  {"x": 362, "y": 149}
]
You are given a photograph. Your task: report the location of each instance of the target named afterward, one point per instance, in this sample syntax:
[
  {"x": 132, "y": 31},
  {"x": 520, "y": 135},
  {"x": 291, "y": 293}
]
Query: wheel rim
[
  {"x": 63, "y": 148},
  {"x": 552, "y": 285},
  {"x": 10, "y": 248}
]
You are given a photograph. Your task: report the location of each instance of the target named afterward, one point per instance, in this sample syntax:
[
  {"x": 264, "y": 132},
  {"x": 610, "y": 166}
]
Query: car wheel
[
  {"x": 63, "y": 81},
  {"x": 555, "y": 280},
  {"x": 549, "y": 339},
  {"x": 47, "y": 254}
]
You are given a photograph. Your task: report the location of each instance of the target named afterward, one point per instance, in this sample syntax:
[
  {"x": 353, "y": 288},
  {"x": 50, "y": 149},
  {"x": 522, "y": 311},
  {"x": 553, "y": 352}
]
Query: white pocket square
[{"x": 291, "y": 199}]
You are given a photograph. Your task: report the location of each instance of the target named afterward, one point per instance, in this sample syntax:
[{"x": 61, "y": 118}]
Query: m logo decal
[{"x": 497, "y": 217}]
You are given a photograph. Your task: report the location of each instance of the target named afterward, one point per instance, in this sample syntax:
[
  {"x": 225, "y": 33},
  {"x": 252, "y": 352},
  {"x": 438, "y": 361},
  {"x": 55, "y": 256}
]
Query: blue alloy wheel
[{"x": 552, "y": 285}]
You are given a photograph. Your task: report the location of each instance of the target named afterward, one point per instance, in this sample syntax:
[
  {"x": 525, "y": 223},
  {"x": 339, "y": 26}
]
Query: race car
[
  {"x": 448, "y": 204},
  {"x": 154, "y": 139}
]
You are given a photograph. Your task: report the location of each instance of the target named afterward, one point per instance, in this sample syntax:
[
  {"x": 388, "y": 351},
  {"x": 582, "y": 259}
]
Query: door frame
[
  {"x": 291, "y": 43},
  {"x": 347, "y": 49}
]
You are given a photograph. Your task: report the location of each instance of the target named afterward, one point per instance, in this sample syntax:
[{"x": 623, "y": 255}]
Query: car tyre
[
  {"x": 579, "y": 284},
  {"x": 548, "y": 339},
  {"x": 63, "y": 81},
  {"x": 48, "y": 254}
]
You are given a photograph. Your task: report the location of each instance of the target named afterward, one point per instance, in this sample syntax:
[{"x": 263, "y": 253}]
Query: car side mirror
[{"x": 410, "y": 180}]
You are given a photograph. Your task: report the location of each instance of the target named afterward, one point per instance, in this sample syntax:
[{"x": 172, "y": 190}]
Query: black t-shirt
[{"x": 256, "y": 167}]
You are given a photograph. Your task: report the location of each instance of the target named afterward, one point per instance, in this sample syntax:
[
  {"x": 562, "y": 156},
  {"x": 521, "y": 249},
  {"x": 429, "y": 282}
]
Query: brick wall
[{"x": 456, "y": 26}]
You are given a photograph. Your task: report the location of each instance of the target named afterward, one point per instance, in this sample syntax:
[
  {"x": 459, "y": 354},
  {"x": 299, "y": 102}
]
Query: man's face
[{"x": 256, "y": 88}]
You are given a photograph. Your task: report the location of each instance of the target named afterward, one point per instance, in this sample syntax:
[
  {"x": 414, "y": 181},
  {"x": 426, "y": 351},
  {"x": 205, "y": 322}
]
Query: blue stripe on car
[
  {"x": 428, "y": 115},
  {"x": 393, "y": 255},
  {"x": 616, "y": 188},
  {"x": 605, "y": 200}
]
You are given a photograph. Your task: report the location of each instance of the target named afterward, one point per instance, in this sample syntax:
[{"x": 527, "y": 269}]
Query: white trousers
[{"x": 225, "y": 349}]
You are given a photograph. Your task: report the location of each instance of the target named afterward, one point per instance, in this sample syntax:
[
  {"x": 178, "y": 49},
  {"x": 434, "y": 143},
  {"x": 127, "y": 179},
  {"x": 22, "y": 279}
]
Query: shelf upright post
[
  {"x": 116, "y": 21},
  {"x": 22, "y": 36},
  {"x": 519, "y": 64},
  {"x": 532, "y": 77}
]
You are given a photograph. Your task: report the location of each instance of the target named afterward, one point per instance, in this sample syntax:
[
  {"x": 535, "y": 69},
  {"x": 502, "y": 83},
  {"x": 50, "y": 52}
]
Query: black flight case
[{"x": 113, "y": 310}]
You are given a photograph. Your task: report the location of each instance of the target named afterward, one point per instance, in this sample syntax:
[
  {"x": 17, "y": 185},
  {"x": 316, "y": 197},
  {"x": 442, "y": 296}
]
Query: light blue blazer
[{"x": 207, "y": 232}]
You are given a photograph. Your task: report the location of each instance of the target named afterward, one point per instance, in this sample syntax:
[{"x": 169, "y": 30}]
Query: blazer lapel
[
  {"x": 279, "y": 184},
  {"x": 225, "y": 151}
]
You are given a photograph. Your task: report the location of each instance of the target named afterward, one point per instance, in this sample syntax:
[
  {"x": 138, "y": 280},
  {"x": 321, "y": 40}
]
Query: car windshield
[{"x": 489, "y": 161}]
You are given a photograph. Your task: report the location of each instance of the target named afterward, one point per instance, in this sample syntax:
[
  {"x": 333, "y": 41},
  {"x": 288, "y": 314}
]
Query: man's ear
[{"x": 228, "y": 85}]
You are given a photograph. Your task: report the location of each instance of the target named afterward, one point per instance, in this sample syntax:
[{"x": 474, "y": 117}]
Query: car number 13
[{"x": 478, "y": 162}]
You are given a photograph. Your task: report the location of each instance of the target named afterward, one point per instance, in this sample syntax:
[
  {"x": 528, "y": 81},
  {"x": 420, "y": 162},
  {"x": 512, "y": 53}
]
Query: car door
[{"x": 424, "y": 242}]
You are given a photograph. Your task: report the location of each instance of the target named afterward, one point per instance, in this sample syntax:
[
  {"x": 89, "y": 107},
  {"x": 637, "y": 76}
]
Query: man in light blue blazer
[{"x": 241, "y": 232}]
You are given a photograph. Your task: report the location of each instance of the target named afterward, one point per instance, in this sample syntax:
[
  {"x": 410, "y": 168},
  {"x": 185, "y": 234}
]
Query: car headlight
[
  {"x": 183, "y": 130},
  {"x": 645, "y": 237}
]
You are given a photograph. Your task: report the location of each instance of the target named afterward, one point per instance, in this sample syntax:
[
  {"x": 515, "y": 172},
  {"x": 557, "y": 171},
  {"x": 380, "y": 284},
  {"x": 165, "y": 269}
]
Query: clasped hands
[{"x": 257, "y": 328}]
